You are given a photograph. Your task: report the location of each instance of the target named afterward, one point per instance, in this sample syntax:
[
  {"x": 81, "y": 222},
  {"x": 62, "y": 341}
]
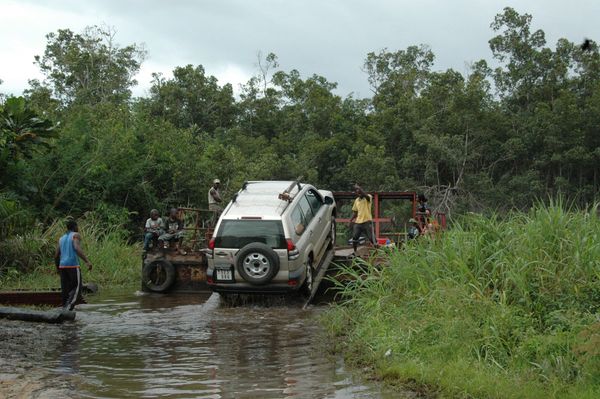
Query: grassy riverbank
[
  {"x": 116, "y": 264},
  {"x": 493, "y": 309}
]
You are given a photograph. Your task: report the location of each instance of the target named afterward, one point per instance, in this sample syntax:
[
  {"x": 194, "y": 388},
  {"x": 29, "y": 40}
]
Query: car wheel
[
  {"x": 309, "y": 281},
  {"x": 158, "y": 276},
  {"x": 257, "y": 263},
  {"x": 332, "y": 235}
]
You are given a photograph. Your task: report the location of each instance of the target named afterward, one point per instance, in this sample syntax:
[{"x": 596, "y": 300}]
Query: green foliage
[
  {"x": 30, "y": 264},
  {"x": 14, "y": 219},
  {"x": 24, "y": 253},
  {"x": 491, "y": 138},
  {"x": 493, "y": 308},
  {"x": 192, "y": 100},
  {"x": 22, "y": 132},
  {"x": 90, "y": 68}
]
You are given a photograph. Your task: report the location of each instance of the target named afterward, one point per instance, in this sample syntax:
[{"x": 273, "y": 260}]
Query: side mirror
[
  {"x": 329, "y": 200},
  {"x": 299, "y": 229}
]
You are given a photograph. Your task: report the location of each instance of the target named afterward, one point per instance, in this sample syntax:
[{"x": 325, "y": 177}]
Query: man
[
  {"x": 67, "y": 257},
  {"x": 423, "y": 211},
  {"x": 152, "y": 229},
  {"x": 413, "y": 230},
  {"x": 174, "y": 230},
  {"x": 214, "y": 200},
  {"x": 362, "y": 219}
]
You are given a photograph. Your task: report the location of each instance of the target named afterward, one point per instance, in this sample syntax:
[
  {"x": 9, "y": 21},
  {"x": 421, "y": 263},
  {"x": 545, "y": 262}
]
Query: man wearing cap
[{"x": 214, "y": 200}]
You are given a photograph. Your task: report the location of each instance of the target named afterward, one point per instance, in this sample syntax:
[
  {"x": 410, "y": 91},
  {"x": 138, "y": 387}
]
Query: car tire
[
  {"x": 332, "y": 234},
  {"x": 309, "y": 281},
  {"x": 158, "y": 276},
  {"x": 257, "y": 263}
]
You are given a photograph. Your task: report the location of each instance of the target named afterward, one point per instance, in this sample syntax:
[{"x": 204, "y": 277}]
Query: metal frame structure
[
  {"x": 201, "y": 227},
  {"x": 378, "y": 197}
]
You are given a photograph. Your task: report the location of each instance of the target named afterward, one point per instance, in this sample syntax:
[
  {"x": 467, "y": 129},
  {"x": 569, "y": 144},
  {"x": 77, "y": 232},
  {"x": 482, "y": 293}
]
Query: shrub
[{"x": 509, "y": 302}]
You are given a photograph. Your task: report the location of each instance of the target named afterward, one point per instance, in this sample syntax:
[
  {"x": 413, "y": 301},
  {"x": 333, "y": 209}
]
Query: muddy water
[{"x": 175, "y": 347}]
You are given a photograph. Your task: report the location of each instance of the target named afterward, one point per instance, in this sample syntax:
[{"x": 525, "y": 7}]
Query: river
[{"x": 183, "y": 346}]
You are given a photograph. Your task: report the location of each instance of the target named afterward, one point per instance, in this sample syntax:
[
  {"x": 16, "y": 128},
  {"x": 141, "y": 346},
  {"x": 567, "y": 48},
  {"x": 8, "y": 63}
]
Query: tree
[
  {"x": 2, "y": 96},
  {"x": 90, "y": 68},
  {"x": 193, "y": 99},
  {"x": 545, "y": 95},
  {"x": 402, "y": 73},
  {"x": 22, "y": 132},
  {"x": 265, "y": 67}
]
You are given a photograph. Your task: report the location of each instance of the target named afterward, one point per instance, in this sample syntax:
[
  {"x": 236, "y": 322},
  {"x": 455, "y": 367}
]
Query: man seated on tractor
[{"x": 173, "y": 231}]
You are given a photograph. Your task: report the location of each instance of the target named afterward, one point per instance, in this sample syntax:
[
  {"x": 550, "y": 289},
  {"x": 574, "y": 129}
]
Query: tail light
[
  {"x": 211, "y": 247},
  {"x": 290, "y": 245},
  {"x": 293, "y": 252}
]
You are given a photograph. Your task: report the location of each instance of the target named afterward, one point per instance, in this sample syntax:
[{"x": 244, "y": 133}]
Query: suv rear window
[{"x": 238, "y": 233}]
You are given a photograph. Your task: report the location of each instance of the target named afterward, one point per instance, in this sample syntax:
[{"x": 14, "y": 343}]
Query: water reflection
[
  {"x": 194, "y": 346},
  {"x": 68, "y": 352}
]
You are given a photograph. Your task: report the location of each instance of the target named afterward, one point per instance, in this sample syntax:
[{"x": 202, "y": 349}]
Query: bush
[
  {"x": 116, "y": 264},
  {"x": 493, "y": 308}
]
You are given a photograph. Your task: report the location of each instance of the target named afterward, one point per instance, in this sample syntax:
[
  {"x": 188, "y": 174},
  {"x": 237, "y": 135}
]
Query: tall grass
[
  {"x": 115, "y": 263},
  {"x": 495, "y": 308}
]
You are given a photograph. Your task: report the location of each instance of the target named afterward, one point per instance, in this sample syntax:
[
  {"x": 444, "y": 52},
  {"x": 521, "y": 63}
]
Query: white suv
[{"x": 271, "y": 237}]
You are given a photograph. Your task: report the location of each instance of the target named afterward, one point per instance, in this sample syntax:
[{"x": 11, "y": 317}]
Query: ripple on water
[{"x": 192, "y": 346}]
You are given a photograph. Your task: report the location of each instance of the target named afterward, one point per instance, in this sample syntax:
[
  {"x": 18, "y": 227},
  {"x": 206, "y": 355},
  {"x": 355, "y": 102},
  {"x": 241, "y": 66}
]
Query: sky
[{"x": 330, "y": 38}]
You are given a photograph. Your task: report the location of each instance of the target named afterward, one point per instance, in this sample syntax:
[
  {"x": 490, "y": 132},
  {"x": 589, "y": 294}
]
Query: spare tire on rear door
[
  {"x": 257, "y": 263},
  {"x": 159, "y": 275}
]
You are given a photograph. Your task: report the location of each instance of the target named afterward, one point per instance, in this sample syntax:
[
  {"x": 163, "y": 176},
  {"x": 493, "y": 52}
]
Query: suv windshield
[{"x": 238, "y": 233}]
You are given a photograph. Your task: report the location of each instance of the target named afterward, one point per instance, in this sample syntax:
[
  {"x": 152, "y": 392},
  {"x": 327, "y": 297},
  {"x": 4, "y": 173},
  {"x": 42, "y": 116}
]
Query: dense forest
[{"x": 521, "y": 127}]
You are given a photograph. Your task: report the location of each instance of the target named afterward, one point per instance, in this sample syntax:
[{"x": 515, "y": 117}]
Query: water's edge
[{"x": 140, "y": 345}]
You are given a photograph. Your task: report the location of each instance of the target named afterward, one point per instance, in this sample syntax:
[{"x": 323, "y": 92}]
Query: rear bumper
[
  {"x": 295, "y": 280},
  {"x": 252, "y": 289}
]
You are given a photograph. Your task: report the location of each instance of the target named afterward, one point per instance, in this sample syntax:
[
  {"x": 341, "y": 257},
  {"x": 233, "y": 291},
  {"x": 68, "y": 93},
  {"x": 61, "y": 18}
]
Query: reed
[
  {"x": 493, "y": 308},
  {"x": 115, "y": 263}
]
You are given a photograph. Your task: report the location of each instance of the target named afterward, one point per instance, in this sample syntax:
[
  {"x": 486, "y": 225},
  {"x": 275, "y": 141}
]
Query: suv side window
[
  {"x": 315, "y": 201},
  {"x": 306, "y": 210},
  {"x": 298, "y": 220}
]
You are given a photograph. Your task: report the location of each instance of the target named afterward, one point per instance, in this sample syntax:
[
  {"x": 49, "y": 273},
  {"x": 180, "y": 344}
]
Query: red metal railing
[{"x": 378, "y": 219}]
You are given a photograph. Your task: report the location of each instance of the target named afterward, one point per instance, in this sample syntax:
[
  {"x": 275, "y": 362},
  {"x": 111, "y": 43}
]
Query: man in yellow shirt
[{"x": 362, "y": 219}]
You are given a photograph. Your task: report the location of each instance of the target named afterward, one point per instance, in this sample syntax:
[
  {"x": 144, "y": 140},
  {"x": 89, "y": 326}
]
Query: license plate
[{"x": 224, "y": 274}]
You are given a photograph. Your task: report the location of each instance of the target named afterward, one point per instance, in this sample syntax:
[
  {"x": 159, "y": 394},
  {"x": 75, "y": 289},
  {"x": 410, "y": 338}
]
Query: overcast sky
[{"x": 325, "y": 37}]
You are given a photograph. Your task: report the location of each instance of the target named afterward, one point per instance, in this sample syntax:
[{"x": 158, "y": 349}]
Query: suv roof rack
[
  {"x": 244, "y": 186},
  {"x": 285, "y": 195}
]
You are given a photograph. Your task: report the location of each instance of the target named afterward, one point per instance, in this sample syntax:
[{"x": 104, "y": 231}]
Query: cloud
[{"x": 330, "y": 38}]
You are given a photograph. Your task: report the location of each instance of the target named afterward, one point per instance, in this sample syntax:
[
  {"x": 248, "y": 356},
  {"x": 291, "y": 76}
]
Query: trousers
[{"x": 70, "y": 285}]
